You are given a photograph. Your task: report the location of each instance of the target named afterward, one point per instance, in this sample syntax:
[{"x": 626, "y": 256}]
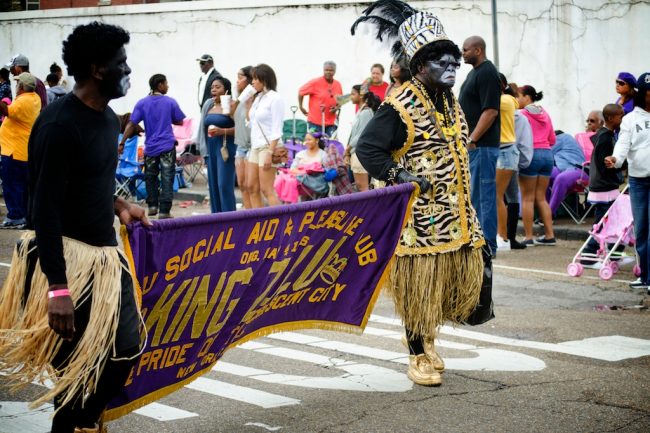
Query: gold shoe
[
  {"x": 430, "y": 350},
  {"x": 421, "y": 371}
]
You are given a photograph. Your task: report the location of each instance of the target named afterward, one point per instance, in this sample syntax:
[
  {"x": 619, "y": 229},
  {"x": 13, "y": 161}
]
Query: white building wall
[{"x": 570, "y": 49}]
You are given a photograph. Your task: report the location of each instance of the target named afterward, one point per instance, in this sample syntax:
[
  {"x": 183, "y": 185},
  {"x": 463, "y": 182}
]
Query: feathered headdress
[{"x": 397, "y": 20}]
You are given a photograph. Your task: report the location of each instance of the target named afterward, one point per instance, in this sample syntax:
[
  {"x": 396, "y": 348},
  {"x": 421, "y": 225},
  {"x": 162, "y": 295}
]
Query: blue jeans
[
  {"x": 640, "y": 198},
  {"x": 483, "y": 168},
  {"x": 329, "y": 129},
  {"x": 14, "y": 187}
]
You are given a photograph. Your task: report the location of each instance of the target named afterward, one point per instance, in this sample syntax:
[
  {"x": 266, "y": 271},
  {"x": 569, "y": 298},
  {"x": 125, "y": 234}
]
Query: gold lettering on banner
[
  {"x": 322, "y": 293},
  {"x": 243, "y": 277},
  {"x": 325, "y": 262},
  {"x": 148, "y": 282},
  {"x": 306, "y": 220},
  {"x": 271, "y": 253},
  {"x": 157, "y": 317},
  {"x": 366, "y": 251},
  {"x": 277, "y": 269},
  {"x": 264, "y": 232},
  {"x": 187, "y": 299},
  {"x": 288, "y": 229},
  {"x": 194, "y": 306},
  {"x": 317, "y": 263},
  {"x": 201, "y": 250},
  {"x": 223, "y": 242},
  {"x": 198, "y": 251},
  {"x": 249, "y": 257},
  {"x": 199, "y": 308},
  {"x": 185, "y": 371},
  {"x": 162, "y": 358}
]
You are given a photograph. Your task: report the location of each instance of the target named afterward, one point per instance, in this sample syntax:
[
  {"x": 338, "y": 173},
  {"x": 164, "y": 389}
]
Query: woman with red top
[{"x": 533, "y": 180}]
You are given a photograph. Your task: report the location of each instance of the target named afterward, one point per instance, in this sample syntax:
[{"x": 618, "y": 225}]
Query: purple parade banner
[{"x": 209, "y": 283}]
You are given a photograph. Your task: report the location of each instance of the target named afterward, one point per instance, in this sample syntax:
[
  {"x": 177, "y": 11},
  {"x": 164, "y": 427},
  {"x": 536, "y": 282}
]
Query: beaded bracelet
[{"x": 56, "y": 293}]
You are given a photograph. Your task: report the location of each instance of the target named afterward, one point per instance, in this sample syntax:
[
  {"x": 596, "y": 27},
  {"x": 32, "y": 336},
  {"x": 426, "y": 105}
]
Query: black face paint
[
  {"x": 115, "y": 82},
  {"x": 441, "y": 73}
]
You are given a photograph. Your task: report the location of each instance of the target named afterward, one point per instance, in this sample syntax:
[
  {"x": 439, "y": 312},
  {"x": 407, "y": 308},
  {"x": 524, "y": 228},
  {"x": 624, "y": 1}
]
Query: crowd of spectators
[{"x": 521, "y": 165}]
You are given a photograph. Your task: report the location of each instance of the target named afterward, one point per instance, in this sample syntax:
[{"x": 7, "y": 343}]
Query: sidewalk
[{"x": 194, "y": 200}]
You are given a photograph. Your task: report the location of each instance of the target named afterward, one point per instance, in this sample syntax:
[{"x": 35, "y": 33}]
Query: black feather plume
[
  {"x": 388, "y": 15},
  {"x": 397, "y": 50}
]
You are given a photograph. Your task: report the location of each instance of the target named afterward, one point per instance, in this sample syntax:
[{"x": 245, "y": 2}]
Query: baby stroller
[{"x": 616, "y": 228}]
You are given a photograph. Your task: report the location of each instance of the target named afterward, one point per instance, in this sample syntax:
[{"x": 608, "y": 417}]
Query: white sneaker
[{"x": 502, "y": 244}]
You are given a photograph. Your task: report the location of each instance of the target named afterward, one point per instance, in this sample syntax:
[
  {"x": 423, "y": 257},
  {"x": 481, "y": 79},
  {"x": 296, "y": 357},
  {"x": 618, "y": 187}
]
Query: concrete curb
[
  {"x": 190, "y": 195},
  {"x": 561, "y": 232}
]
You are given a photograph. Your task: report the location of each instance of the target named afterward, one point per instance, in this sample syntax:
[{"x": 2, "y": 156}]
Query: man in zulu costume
[
  {"x": 67, "y": 309},
  {"x": 419, "y": 135}
]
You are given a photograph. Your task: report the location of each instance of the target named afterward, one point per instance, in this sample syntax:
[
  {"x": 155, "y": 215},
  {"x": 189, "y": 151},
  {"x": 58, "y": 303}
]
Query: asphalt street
[{"x": 563, "y": 355}]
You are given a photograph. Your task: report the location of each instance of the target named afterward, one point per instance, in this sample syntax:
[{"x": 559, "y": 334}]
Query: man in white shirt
[{"x": 206, "y": 63}]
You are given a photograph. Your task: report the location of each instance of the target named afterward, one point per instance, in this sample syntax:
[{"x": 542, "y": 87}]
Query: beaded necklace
[{"x": 448, "y": 127}]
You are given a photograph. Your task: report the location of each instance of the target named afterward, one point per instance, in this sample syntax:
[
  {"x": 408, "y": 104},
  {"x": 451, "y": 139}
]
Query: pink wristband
[{"x": 56, "y": 293}]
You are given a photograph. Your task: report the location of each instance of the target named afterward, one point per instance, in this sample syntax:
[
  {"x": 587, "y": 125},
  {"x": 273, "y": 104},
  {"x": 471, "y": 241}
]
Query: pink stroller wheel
[
  {"x": 615, "y": 267},
  {"x": 606, "y": 272},
  {"x": 574, "y": 269},
  {"x": 636, "y": 270}
]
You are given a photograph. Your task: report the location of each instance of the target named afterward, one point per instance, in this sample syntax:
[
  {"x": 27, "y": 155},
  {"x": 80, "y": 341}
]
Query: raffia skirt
[
  {"x": 28, "y": 345},
  {"x": 431, "y": 289}
]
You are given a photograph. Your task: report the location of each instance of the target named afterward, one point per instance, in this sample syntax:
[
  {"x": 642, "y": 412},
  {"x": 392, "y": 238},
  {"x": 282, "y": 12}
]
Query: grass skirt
[
  {"x": 429, "y": 290},
  {"x": 27, "y": 343}
]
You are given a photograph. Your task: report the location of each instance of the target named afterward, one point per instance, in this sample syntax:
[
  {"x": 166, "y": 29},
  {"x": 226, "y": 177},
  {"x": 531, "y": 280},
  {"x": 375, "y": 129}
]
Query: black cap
[{"x": 205, "y": 58}]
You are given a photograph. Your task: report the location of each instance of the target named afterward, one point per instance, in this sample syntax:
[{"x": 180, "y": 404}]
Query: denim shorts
[
  {"x": 541, "y": 165},
  {"x": 508, "y": 158},
  {"x": 242, "y": 152}
]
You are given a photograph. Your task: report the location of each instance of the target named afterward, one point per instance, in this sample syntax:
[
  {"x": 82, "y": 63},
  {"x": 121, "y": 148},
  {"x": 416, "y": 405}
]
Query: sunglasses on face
[
  {"x": 621, "y": 83},
  {"x": 592, "y": 121}
]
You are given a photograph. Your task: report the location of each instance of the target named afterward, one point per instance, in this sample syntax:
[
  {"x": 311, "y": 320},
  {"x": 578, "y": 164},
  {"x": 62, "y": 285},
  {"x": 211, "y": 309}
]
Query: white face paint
[
  {"x": 442, "y": 72},
  {"x": 125, "y": 85},
  {"x": 115, "y": 81}
]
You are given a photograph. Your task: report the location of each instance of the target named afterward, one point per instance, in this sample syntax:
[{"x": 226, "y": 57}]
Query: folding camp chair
[
  {"x": 187, "y": 157},
  {"x": 129, "y": 178},
  {"x": 575, "y": 203}
]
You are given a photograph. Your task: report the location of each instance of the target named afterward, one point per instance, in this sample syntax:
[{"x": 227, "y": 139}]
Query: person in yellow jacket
[{"x": 14, "y": 135}]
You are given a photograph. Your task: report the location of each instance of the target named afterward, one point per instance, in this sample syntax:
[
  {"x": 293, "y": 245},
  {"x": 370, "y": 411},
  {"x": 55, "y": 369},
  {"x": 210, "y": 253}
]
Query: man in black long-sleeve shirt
[{"x": 73, "y": 156}]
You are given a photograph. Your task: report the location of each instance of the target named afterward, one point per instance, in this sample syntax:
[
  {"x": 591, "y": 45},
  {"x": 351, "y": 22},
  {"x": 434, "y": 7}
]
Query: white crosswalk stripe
[
  {"x": 240, "y": 393},
  {"x": 356, "y": 375}
]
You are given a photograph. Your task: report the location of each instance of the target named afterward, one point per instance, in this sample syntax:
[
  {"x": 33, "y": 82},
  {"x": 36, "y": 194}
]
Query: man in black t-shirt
[
  {"x": 480, "y": 97},
  {"x": 73, "y": 156}
]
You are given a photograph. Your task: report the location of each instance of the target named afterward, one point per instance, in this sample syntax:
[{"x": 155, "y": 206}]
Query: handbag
[
  {"x": 224, "y": 151},
  {"x": 484, "y": 311},
  {"x": 280, "y": 154}
]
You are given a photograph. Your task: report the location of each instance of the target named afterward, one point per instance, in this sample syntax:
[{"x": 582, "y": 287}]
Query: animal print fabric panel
[{"x": 443, "y": 219}]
